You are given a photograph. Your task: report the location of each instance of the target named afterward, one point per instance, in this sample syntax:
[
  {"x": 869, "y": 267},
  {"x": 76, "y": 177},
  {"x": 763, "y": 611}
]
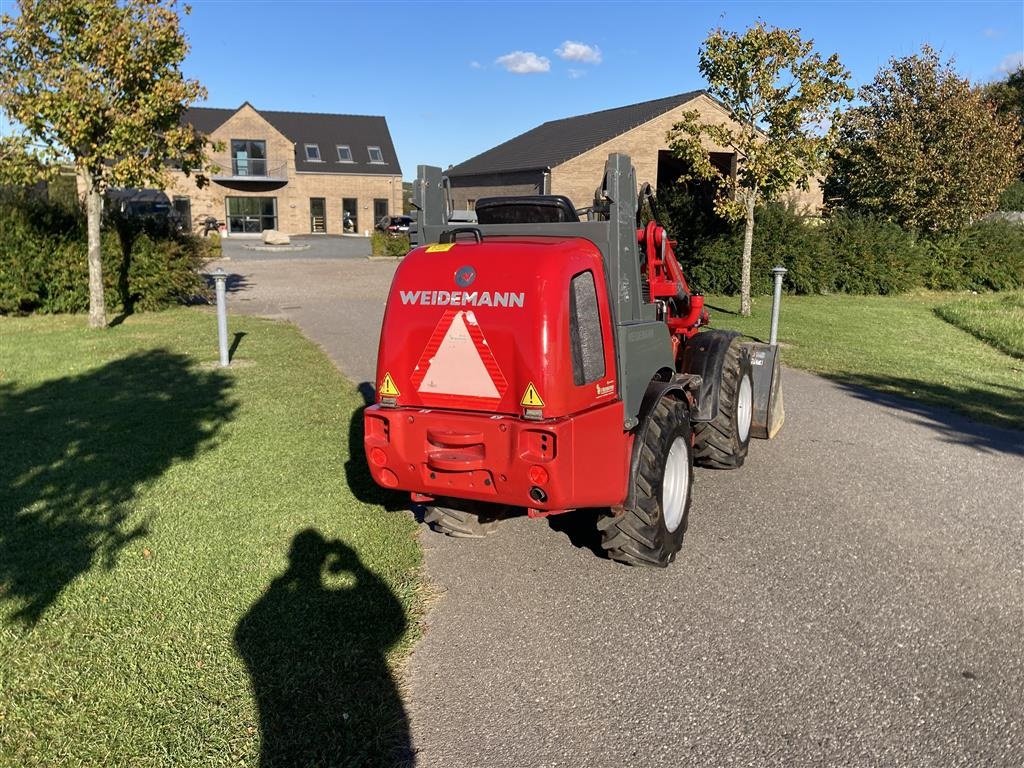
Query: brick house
[
  {"x": 567, "y": 157},
  {"x": 296, "y": 172}
]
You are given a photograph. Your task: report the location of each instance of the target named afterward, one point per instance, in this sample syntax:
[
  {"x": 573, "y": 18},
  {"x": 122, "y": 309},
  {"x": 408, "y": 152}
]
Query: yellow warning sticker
[
  {"x": 531, "y": 399},
  {"x": 440, "y": 247},
  {"x": 387, "y": 387}
]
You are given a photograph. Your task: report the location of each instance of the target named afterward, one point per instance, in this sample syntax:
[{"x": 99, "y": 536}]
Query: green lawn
[
  {"x": 195, "y": 569},
  {"x": 997, "y": 319},
  {"x": 896, "y": 344}
]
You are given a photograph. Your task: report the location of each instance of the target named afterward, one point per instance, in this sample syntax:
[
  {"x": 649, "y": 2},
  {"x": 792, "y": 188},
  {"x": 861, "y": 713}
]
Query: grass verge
[
  {"x": 195, "y": 568},
  {"x": 997, "y": 320},
  {"x": 894, "y": 344}
]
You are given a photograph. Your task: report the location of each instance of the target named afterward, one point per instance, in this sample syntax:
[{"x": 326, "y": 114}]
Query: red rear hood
[{"x": 483, "y": 326}]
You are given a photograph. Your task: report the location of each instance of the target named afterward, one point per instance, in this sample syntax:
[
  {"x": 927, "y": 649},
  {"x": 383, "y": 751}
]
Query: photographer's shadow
[{"x": 317, "y": 656}]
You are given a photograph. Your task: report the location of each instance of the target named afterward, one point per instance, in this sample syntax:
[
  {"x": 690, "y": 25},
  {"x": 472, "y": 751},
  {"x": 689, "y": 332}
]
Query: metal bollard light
[
  {"x": 777, "y": 272},
  {"x": 220, "y": 279}
]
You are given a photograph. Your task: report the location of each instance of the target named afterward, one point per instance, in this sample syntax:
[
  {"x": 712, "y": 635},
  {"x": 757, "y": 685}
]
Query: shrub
[
  {"x": 781, "y": 237},
  {"x": 1013, "y": 198},
  {"x": 43, "y": 265},
  {"x": 988, "y": 256},
  {"x": 394, "y": 247},
  {"x": 871, "y": 256}
]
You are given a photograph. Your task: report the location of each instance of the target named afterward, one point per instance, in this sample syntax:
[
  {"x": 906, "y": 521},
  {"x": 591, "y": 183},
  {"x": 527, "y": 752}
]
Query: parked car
[{"x": 394, "y": 225}]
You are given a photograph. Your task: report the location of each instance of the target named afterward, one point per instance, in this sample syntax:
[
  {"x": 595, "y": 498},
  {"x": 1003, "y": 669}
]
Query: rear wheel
[
  {"x": 651, "y": 533},
  {"x": 460, "y": 523},
  {"x": 723, "y": 442}
]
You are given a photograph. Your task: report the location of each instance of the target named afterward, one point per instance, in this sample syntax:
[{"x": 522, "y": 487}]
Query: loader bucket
[{"x": 768, "y": 411}]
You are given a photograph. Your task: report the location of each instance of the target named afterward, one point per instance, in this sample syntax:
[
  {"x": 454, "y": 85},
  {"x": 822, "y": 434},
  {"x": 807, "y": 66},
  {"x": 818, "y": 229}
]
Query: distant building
[
  {"x": 295, "y": 172},
  {"x": 567, "y": 157}
]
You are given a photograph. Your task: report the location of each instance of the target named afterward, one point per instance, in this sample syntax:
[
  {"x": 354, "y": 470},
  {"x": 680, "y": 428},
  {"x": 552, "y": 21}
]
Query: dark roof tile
[
  {"x": 324, "y": 130},
  {"x": 556, "y": 141}
]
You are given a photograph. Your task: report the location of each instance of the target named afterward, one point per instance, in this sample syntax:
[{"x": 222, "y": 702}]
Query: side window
[{"x": 585, "y": 330}]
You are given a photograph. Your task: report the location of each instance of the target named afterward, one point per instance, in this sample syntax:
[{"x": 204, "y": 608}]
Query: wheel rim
[
  {"x": 675, "y": 485},
  {"x": 744, "y": 409}
]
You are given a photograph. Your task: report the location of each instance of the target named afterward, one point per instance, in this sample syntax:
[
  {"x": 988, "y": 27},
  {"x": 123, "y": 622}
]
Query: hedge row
[
  {"x": 43, "y": 265},
  {"x": 854, "y": 254}
]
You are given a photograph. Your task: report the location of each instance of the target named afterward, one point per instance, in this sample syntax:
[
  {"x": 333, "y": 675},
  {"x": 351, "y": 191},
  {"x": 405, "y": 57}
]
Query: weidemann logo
[{"x": 463, "y": 298}]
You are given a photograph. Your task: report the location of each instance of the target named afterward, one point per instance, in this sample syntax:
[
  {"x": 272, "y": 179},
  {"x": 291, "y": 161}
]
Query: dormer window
[
  {"x": 345, "y": 153},
  {"x": 376, "y": 156},
  {"x": 313, "y": 153}
]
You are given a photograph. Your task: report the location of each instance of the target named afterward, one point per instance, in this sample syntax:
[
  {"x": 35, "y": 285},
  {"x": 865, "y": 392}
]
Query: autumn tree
[
  {"x": 20, "y": 166},
  {"x": 782, "y": 97},
  {"x": 924, "y": 149},
  {"x": 100, "y": 82}
]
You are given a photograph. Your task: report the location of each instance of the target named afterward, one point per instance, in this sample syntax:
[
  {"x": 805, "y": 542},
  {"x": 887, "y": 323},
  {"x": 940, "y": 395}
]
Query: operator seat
[{"x": 526, "y": 209}]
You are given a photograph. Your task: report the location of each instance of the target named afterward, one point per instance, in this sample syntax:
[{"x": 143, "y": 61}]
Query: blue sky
[{"x": 437, "y": 70}]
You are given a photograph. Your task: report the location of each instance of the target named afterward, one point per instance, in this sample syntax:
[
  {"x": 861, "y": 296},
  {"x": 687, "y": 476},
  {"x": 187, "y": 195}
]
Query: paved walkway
[{"x": 854, "y": 596}]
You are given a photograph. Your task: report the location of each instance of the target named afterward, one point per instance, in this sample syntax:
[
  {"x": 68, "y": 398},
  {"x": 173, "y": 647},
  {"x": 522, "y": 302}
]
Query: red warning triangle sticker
[{"x": 457, "y": 365}]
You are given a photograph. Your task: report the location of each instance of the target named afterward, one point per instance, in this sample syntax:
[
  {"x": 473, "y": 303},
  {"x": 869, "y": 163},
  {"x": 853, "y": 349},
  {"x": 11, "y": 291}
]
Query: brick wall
[
  {"x": 578, "y": 178},
  {"x": 465, "y": 188},
  {"x": 293, "y": 196}
]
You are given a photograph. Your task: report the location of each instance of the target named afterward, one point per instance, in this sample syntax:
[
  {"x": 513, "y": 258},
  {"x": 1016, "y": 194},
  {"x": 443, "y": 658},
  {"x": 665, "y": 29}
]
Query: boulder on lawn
[{"x": 273, "y": 237}]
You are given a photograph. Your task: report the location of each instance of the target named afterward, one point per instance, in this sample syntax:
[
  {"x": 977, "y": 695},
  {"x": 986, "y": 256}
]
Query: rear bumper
[{"x": 577, "y": 461}]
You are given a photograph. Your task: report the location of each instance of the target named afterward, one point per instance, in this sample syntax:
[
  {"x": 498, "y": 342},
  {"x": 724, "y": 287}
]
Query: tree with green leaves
[
  {"x": 782, "y": 97},
  {"x": 20, "y": 165},
  {"x": 925, "y": 149},
  {"x": 100, "y": 82},
  {"x": 1007, "y": 96}
]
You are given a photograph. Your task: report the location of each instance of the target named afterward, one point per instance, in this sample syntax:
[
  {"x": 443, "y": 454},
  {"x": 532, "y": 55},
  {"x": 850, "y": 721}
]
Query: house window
[
  {"x": 317, "y": 215},
  {"x": 376, "y": 156},
  {"x": 344, "y": 153},
  {"x": 248, "y": 157},
  {"x": 350, "y": 215},
  {"x": 251, "y": 214},
  {"x": 313, "y": 153},
  {"x": 183, "y": 209},
  {"x": 380, "y": 210}
]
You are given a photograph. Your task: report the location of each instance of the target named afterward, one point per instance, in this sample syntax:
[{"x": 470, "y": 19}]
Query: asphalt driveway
[{"x": 854, "y": 596}]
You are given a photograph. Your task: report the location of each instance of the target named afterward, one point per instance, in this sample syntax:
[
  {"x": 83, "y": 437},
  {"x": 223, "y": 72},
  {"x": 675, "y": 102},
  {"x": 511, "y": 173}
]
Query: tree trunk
[
  {"x": 748, "y": 246},
  {"x": 93, "y": 213}
]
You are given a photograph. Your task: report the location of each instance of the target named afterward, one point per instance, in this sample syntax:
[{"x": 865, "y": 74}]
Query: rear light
[
  {"x": 378, "y": 456},
  {"x": 388, "y": 479},
  {"x": 538, "y": 475}
]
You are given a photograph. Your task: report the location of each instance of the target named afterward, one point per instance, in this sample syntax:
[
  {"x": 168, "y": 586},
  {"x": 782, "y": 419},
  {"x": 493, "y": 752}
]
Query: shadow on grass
[
  {"x": 933, "y": 405},
  {"x": 76, "y": 452},
  {"x": 357, "y": 471},
  {"x": 317, "y": 656}
]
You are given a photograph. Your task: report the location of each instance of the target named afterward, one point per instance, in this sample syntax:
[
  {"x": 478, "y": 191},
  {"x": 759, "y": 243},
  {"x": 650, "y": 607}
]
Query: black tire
[
  {"x": 459, "y": 523},
  {"x": 723, "y": 442},
  {"x": 645, "y": 535}
]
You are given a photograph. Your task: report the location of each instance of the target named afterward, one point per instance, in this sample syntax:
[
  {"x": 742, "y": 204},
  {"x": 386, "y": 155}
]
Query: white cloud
[
  {"x": 576, "y": 74},
  {"x": 475, "y": 65},
  {"x": 1012, "y": 63},
  {"x": 524, "y": 62},
  {"x": 581, "y": 52},
  {"x": 992, "y": 33}
]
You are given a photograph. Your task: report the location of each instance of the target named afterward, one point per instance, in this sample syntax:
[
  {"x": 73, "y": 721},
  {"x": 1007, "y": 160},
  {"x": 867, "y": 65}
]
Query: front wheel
[
  {"x": 723, "y": 442},
  {"x": 460, "y": 523},
  {"x": 651, "y": 533}
]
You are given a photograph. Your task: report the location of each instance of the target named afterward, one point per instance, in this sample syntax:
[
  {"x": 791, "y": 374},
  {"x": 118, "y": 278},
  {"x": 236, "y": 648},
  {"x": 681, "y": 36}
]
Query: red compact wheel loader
[{"x": 536, "y": 361}]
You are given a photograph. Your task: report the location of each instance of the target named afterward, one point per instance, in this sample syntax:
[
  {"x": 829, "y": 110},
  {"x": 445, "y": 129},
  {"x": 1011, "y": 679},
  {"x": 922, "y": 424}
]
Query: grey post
[
  {"x": 220, "y": 279},
  {"x": 778, "y": 272}
]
